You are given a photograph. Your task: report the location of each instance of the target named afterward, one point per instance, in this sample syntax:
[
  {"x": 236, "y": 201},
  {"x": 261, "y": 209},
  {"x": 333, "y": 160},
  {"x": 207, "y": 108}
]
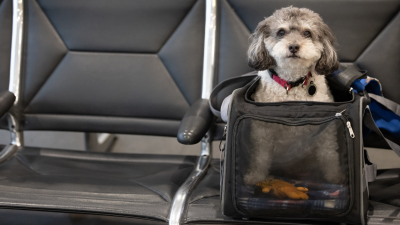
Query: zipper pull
[
  {"x": 348, "y": 124},
  {"x": 225, "y": 128},
  {"x": 222, "y": 147},
  {"x": 350, "y": 129},
  {"x": 339, "y": 114}
]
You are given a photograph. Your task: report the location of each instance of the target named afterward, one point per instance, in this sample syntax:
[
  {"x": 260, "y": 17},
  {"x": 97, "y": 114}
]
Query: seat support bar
[
  {"x": 7, "y": 152},
  {"x": 16, "y": 49},
  {"x": 15, "y": 80},
  {"x": 17, "y": 136},
  {"x": 182, "y": 196},
  {"x": 209, "y": 48},
  {"x": 181, "y": 199},
  {"x": 99, "y": 142},
  {"x": 15, "y": 70}
]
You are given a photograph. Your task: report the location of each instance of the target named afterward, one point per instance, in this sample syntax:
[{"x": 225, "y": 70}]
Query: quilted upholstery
[
  {"x": 112, "y": 60},
  {"x": 5, "y": 42},
  {"x": 5, "y": 48}
]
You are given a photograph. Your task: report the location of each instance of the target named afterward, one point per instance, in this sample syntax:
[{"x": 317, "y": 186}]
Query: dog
[{"x": 292, "y": 50}]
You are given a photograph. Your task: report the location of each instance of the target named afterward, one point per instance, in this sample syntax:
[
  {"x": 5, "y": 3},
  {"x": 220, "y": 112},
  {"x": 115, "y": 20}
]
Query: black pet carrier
[{"x": 298, "y": 160}]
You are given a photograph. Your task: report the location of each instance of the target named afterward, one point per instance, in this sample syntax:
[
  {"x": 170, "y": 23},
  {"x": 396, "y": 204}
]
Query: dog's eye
[
  {"x": 307, "y": 34},
  {"x": 281, "y": 33}
]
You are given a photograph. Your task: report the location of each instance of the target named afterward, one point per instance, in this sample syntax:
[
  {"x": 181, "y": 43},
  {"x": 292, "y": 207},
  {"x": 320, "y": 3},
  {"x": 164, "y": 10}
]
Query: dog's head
[{"x": 293, "y": 36}]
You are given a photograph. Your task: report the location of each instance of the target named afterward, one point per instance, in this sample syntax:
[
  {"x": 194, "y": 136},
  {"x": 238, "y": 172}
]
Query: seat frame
[
  {"x": 14, "y": 125},
  {"x": 181, "y": 198}
]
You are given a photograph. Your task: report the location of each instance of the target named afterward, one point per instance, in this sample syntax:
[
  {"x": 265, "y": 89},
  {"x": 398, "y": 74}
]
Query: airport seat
[
  {"x": 137, "y": 67},
  {"x": 130, "y": 67}
]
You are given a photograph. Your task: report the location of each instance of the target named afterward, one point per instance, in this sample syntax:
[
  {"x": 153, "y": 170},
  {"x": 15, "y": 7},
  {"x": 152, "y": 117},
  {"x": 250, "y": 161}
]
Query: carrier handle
[
  {"x": 240, "y": 81},
  {"x": 229, "y": 85},
  {"x": 342, "y": 78},
  {"x": 345, "y": 76}
]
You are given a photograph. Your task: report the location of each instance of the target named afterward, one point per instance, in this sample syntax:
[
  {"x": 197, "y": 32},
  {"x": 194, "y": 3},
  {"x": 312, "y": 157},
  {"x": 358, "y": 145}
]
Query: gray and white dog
[{"x": 293, "y": 42}]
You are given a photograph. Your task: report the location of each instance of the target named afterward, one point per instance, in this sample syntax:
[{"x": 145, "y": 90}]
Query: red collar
[{"x": 289, "y": 84}]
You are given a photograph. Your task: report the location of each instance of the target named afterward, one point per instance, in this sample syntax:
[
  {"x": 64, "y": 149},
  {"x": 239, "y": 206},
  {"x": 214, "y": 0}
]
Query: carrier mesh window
[{"x": 291, "y": 167}]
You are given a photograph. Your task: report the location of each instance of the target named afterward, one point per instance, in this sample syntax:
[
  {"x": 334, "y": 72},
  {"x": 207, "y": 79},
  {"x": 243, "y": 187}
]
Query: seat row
[{"x": 145, "y": 67}]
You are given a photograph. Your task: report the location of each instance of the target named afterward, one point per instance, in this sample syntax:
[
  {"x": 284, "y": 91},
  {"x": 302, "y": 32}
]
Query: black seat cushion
[
  {"x": 20, "y": 217},
  {"x": 125, "y": 184},
  {"x": 205, "y": 202},
  {"x": 381, "y": 213},
  {"x": 386, "y": 188},
  {"x": 384, "y": 195}
]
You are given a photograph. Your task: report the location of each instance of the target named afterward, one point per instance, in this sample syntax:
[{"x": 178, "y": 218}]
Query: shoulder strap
[
  {"x": 370, "y": 123},
  {"x": 370, "y": 169},
  {"x": 230, "y": 85},
  {"x": 392, "y": 106}
]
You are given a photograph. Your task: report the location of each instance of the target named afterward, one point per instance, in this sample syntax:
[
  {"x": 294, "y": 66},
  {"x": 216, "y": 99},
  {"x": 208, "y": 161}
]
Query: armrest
[
  {"x": 6, "y": 102},
  {"x": 195, "y": 123}
]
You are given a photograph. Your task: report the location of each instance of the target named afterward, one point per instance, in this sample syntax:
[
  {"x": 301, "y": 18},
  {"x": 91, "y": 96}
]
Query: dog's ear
[
  {"x": 258, "y": 56},
  {"x": 329, "y": 61}
]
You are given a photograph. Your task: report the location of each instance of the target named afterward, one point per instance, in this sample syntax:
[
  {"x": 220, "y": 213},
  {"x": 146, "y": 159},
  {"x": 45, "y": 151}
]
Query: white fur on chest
[{"x": 269, "y": 90}]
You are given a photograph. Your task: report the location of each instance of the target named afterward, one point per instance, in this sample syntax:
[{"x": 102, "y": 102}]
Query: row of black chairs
[{"x": 147, "y": 67}]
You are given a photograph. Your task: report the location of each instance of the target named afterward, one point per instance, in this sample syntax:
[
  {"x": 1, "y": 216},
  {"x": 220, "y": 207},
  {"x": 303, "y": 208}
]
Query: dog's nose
[{"x": 294, "y": 48}]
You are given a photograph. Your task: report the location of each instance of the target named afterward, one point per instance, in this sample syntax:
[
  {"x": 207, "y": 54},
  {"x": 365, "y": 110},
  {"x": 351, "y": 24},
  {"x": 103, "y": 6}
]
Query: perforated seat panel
[{"x": 125, "y": 184}]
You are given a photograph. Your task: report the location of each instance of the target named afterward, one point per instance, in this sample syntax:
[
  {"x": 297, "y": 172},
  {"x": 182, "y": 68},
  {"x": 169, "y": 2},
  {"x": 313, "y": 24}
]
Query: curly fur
[
  {"x": 317, "y": 54},
  {"x": 269, "y": 50}
]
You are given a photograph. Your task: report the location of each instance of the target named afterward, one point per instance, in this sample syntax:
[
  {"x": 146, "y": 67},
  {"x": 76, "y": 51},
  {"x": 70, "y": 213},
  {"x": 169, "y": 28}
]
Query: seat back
[
  {"x": 5, "y": 42},
  {"x": 367, "y": 33},
  {"x": 5, "y": 48},
  {"x": 111, "y": 66}
]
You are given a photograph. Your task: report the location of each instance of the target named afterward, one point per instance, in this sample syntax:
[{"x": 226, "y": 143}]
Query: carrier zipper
[
  {"x": 224, "y": 153},
  {"x": 223, "y": 136},
  {"x": 225, "y": 128},
  {"x": 303, "y": 121},
  {"x": 348, "y": 124},
  {"x": 300, "y": 121}
]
